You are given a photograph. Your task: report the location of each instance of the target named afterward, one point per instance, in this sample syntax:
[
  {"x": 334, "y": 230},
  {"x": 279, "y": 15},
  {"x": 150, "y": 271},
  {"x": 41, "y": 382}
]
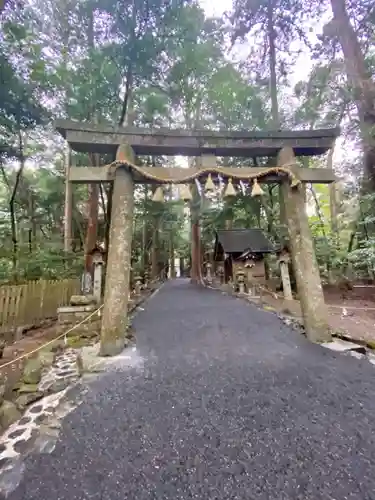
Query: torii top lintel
[{"x": 86, "y": 137}]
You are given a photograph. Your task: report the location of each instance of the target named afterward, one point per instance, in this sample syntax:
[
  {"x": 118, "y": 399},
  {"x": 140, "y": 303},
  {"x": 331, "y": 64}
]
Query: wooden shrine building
[
  {"x": 271, "y": 157},
  {"x": 235, "y": 247}
]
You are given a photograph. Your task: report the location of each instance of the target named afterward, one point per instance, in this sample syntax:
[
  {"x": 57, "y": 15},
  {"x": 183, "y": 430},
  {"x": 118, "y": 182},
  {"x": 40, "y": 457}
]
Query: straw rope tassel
[
  {"x": 185, "y": 193},
  {"x": 257, "y": 190},
  {"x": 158, "y": 195},
  {"x": 229, "y": 190},
  {"x": 209, "y": 186}
]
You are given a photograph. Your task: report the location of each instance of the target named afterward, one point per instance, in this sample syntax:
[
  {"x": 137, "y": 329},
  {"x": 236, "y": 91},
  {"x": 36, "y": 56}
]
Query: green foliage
[
  {"x": 164, "y": 64},
  {"x": 363, "y": 257}
]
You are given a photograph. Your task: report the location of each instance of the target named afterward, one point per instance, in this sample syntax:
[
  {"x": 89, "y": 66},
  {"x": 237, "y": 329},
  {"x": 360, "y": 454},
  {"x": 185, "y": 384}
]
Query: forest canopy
[{"x": 167, "y": 64}]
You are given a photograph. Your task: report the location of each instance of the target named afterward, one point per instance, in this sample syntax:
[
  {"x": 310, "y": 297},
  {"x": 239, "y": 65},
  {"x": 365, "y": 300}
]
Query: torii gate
[{"x": 281, "y": 147}]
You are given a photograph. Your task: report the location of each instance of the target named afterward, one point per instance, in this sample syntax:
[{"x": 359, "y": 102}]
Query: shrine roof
[
  {"x": 87, "y": 137},
  {"x": 241, "y": 240}
]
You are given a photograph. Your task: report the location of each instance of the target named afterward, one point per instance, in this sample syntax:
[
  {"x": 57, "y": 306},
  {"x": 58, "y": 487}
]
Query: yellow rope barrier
[
  {"x": 270, "y": 292},
  {"x": 27, "y": 354}
]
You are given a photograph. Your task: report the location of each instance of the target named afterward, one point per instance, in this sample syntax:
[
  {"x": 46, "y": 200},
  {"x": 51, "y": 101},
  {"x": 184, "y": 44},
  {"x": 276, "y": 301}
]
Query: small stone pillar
[
  {"x": 98, "y": 263},
  {"x": 145, "y": 279},
  {"x": 98, "y": 278},
  {"x": 116, "y": 296},
  {"x": 208, "y": 272},
  {"x": 86, "y": 283},
  {"x": 241, "y": 280},
  {"x": 285, "y": 278},
  {"x": 310, "y": 292}
]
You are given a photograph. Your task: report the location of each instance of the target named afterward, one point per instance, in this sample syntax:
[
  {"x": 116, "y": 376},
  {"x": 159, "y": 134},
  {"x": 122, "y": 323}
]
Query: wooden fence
[{"x": 29, "y": 304}]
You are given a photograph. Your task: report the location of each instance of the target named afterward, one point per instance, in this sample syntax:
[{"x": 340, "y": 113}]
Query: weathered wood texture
[
  {"x": 84, "y": 175},
  {"x": 105, "y": 139},
  {"x": 310, "y": 292},
  {"x": 29, "y": 304},
  {"x": 116, "y": 296}
]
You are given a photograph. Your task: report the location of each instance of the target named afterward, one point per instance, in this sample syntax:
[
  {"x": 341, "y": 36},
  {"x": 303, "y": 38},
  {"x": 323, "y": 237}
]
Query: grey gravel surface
[{"x": 228, "y": 403}]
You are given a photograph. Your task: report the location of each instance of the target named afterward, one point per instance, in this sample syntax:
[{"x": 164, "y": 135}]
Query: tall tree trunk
[
  {"x": 92, "y": 224},
  {"x": 172, "y": 270},
  {"x": 323, "y": 231},
  {"x": 93, "y": 189},
  {"x": 275, "y": 114},
  {"x": 195, "y": 205},
  {"x": 196, "y": 265},
  {"x": 347, "y": 266},
  {"x": 12, "y": 208},
  {"x": 126, "y": 118},
  {"x": 109, "y": 193},
  {"x": 68, "y": 206},
  {"x": 126, "y": 103},
  {"x": 144, "y": 249},
  {"x": 272, "y": 65},
  {"x": 171, "y": 260},
  {"x": 362, "y": 85},
  {"x": 155, "y": 250},
  {"x": 195, "y": 252},
  {"x": 103, "y": 203},
  {"x": 318, "y": 211},
  {"x": 155, "y": 239},
  {"x": 32, "y": 230},
  {"x": 92, "y": 216},
  {"x": 333, "y": 199}
]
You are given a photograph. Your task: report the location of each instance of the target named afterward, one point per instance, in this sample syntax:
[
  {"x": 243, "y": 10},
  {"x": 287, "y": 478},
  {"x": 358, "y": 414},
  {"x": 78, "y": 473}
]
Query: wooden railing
[{"x": 29, "y": 304}]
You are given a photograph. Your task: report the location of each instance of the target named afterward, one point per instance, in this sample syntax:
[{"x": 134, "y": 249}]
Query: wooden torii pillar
[
  {"x": 309, "y": 287},
  {"x": 115, "y": 310}
]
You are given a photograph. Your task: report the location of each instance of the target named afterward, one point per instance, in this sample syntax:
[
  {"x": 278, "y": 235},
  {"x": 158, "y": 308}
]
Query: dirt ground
[
  {"x": 352, "y": 313},
  {"x": 32, "y": 339}
]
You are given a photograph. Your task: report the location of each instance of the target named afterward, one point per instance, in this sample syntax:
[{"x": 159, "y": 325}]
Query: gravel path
[{"x": 225, "y": 402}]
